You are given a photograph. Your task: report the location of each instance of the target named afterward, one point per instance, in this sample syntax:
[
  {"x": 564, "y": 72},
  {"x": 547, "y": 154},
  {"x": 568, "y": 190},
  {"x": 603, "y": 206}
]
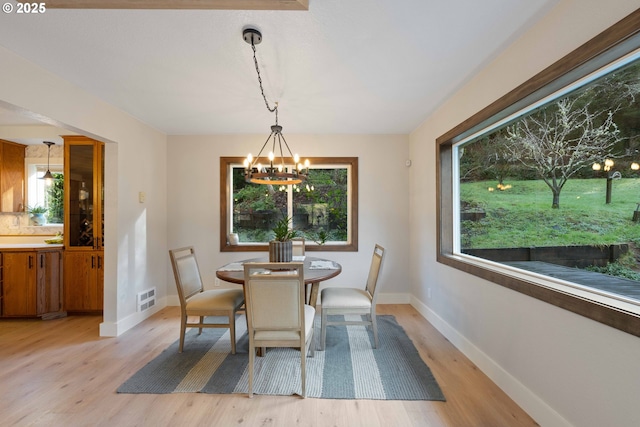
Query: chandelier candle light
[{"x": 285, "y": 167}]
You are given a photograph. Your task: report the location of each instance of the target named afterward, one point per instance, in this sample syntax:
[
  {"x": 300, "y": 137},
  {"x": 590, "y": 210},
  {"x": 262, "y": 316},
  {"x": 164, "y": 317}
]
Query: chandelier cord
[
  {"x": 255, "y": 61},
  {"x": 274, "y": 172}
]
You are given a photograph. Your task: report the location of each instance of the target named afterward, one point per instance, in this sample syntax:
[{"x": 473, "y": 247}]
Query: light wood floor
[{"x": 61, "y": 373}]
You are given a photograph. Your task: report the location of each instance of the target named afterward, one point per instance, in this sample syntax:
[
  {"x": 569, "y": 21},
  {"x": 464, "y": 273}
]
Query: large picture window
[
  {"x": 539, "y": 191},
  {"x": 323, "y": 209}
]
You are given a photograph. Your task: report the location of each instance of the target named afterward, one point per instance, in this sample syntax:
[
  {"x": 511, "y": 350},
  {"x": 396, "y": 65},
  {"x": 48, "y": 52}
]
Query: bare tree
[
  {"x": 486, "y": 158},
  {"x": 561, "y": 139}
]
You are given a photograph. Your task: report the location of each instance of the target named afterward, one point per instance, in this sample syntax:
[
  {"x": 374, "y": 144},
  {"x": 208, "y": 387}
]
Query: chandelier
[{"x": 280, "y": 166}]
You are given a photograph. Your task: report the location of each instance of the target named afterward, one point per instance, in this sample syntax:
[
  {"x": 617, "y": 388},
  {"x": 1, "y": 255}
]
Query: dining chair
[
  {"x": 276, "y": 313},
  {"x": 298, "y": 246},
  {"x": 345, "y": 301},
  {"x": 196, "y": 301},
  {"x": 297, "y": 251}
]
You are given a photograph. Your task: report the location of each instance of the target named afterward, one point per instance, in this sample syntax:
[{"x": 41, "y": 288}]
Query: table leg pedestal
[{"x": 313, "y": 297}]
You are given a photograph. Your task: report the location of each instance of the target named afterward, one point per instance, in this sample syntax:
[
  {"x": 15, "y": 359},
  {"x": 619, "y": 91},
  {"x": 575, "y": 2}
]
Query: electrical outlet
[{"x": 216, "y": 283}]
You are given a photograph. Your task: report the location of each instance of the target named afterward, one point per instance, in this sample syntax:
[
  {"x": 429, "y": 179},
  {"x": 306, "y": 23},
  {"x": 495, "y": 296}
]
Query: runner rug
[{"x": 349, "y": 368}]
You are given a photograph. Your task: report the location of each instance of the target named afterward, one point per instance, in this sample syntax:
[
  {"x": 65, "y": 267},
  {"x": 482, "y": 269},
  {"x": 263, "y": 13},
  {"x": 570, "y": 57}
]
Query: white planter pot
[{"x": 38, "y": 219}]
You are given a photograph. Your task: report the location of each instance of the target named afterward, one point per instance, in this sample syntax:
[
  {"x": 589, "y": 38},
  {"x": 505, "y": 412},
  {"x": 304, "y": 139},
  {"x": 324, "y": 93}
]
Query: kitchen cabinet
[
  {"x": 1, "y": 287},
  {"x": 83, "y": 224},
  {"x": 84, "y": 281},
  {"x": 12, "y": 176},
  {"x": 49, "y": 289},
  {"x": 19, "y": 283},
  {"x": 32, "y": 283}
]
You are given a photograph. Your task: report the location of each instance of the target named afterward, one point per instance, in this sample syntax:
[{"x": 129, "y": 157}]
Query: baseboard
[
  {"x": 114, "y": 329},
  {"x": 539, "y": 410}
]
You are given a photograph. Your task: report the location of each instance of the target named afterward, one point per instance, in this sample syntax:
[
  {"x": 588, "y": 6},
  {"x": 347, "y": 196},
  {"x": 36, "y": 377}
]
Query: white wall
[
  {"x": 562, "y": 368},
  {"x": 135, "y": 234},
  {"x": 194, "y": 215}
]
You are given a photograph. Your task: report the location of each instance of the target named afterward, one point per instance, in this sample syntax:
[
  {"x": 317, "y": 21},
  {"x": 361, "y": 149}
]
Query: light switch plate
[{"x": 142, "y": 197}]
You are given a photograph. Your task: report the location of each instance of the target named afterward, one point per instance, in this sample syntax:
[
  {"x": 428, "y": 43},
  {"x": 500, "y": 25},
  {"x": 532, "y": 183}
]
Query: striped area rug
[{"x": 349, "y": 368}]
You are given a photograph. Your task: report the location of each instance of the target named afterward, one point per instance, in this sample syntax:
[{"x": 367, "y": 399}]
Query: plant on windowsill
[
  {"x": 281, "y": 247},
  {"x": 37, "y": 215}
]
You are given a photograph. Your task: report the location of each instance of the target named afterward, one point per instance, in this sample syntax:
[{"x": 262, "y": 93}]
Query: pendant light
[
  {"x": 279, "y": 167},
  {"x": 48, "y": 177}
]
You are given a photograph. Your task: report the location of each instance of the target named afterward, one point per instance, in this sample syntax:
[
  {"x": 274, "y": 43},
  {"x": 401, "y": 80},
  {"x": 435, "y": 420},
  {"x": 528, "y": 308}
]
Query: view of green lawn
[
  {"x": 552, "y": 163},
  {"x": 521, "y": 216}
]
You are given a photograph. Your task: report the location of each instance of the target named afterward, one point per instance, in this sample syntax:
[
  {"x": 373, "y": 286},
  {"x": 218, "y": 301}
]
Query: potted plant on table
[{"x": 281, "y": 247}]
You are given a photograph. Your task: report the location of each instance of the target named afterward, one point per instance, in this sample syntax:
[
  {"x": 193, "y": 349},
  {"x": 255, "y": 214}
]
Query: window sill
[
  {"x": 615, "y": 311},
  {"x": 261, "y": 247}
]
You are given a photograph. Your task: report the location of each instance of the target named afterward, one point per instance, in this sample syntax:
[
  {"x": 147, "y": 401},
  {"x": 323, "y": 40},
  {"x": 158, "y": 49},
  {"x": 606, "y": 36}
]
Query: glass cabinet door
[{"x": 82, "y": 185}]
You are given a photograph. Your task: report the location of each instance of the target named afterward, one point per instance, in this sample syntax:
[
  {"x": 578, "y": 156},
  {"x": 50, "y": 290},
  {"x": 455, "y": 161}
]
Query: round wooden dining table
[{"x": 316, "y": 270}]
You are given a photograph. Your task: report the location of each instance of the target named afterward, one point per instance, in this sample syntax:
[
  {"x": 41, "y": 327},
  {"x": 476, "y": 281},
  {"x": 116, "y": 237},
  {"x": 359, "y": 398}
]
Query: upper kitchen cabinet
[
  {"x": 11, "y": 176},
  {"x": 84, "y": 194}
]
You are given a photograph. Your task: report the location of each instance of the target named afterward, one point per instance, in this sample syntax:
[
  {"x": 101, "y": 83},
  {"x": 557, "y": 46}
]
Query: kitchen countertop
[{"x": 31, "y": 245}]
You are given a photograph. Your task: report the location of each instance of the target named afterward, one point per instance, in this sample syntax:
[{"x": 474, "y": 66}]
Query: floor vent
[{"x": 146, "y": 299}]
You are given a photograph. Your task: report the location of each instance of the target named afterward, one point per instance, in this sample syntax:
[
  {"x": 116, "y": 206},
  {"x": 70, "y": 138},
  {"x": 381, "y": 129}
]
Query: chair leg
[
  {"x": 183, "y": 327},
  {"x": 232, "y": 332},
  {"x": 374, "y": 325},
  {"x": 323, "y": 329},
  {"x": 303, "y": 369},
  {"x": 252, "y": 355},
  {"x": 201, "y": 322},
  {"x": 311, "y": 347}
]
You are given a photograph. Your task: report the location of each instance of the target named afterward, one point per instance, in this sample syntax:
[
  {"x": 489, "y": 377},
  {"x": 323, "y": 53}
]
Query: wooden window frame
[
  {"x": 602, "y": 49},
  {"x": 352, "y": 246}
]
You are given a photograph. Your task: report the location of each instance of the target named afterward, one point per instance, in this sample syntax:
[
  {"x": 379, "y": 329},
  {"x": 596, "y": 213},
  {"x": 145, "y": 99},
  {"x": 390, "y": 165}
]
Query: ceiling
[{"x": 357, "y": 66}]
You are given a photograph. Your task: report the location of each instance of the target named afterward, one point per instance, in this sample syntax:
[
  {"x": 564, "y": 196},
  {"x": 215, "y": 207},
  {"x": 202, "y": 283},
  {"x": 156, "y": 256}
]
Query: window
[
  {"x": 323, "y": 210},
  {"x": 48, "y": 196},
  {"x": 521, "y": 177}
]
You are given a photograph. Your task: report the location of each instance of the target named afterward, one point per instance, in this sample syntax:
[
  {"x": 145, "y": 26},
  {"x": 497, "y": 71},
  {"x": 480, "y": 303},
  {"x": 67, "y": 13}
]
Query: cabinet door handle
[
  {"x": 93, "y": 261},
  {"x": 30, "y": 261},
  {"x": 99, "y": 262},
  {"x": 41, "y": 260}
]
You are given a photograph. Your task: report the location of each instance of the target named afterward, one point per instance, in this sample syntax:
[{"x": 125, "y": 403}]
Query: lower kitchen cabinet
[
  {"x": 84, "y": 281},
  {"x": 49, "y": 286},
  {"x": 19, "y": 284},
  {"x": 32, "y": 283}
]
